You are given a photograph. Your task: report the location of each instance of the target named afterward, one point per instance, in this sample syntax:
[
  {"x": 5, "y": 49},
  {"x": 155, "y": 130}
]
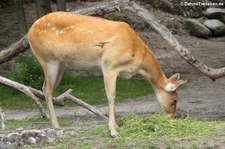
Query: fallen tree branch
[
  {"x": 67, "y": 96},
  {"x": 212, "y": 73},
  {"x": 60, "y": 100},
  {"x": 102, "y": 8},
  {"x": 40, "y": 95},
  {"x": 24, "y": 89},
  {"x": 14, "y": 49}
]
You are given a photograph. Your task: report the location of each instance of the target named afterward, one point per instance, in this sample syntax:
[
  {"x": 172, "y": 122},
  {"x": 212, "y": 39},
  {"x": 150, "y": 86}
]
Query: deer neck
[{"x": 152, "y": 71}]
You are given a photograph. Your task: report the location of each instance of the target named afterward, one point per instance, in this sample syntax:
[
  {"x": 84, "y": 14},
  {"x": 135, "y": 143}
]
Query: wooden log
[
  {"x": 14, "y": 49},
  {"x": 24, "y": 89}
]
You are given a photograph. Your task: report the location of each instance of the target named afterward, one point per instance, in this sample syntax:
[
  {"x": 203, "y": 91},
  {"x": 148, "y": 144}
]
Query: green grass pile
[{"x": 159, "y": 125}]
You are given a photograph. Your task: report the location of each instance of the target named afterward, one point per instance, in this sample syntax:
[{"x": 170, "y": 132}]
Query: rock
[
  {"x": 8, "y": 146},
  {"x": 24, "y": 138},
  {"x": 19, "y": 129},
  {"x": 31, "y": 140},
  {"x": 215, "y": 13},
  {"x": 197, "y": 29},
  {"x": 217, "y": 27}
]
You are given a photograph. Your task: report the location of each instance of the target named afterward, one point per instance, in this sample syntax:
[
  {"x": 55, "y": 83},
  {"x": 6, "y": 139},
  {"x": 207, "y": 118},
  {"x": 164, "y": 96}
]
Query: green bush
[{"x": 28, "y": 71}]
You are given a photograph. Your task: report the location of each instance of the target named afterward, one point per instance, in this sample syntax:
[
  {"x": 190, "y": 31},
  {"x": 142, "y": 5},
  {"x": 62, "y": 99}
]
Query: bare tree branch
[
  {"x": 212, "y": 73},
  {"x": 102, "y": 8},
  {"x": 24, "y": 89},
  {"x": 60, "y": 100},
  {"x": 67, "y": 96},
  {"x": 40, "y": 95},
  {"x": 14, "y": 49}
]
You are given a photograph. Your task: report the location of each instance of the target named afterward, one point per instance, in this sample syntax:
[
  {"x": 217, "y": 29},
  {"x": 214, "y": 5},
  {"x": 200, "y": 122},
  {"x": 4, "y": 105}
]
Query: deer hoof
[{"x": 114, "y": 135}]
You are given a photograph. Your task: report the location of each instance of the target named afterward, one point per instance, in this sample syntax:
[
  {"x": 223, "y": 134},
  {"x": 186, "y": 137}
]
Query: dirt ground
[{"x": 200, "y": 98}]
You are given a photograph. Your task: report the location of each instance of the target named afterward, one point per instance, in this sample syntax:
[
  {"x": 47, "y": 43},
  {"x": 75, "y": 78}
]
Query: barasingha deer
[{"x": 60, "y": 39}]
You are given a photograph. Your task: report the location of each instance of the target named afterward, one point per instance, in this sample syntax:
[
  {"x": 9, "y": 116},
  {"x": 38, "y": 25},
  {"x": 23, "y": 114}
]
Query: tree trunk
[
  {"x": 61, "y": 5},
  {"x": 43, "y": 7},
  {"x": 21, "y": 17}
]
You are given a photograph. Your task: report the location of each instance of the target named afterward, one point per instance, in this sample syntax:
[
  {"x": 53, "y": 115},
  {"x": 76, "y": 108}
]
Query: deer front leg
[
  {"x": 51, "y": 73},
  {"x": 110, "y": 88}
]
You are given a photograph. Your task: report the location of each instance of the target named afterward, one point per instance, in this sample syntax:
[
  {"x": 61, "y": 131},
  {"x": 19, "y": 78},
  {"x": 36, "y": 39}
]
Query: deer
[{"x": 61, "y": 39}]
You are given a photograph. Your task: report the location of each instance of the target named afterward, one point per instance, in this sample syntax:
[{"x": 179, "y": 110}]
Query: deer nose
[{"x": 173, "y": 115}]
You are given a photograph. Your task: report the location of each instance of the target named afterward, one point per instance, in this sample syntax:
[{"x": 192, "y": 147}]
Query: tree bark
[
  {"x": 14, "y": 49},
  {"x": 21, "y": 17},
  {"x": 127, "y": 5},
  {"x": 61, "y": 5}
]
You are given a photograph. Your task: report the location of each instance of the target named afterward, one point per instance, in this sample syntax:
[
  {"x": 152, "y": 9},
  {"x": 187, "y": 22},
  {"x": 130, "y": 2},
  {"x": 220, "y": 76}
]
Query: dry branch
[
  {"x": 14, "y": 49},
  {"x": 67, "y": 96},
  {"x": 24, "y": 89},
  {"x": 60, "y": 100},
  {"x": 40, "y": 95},
  {"x": 212, "y": 73},
  {"x": 106, "y": 7}
]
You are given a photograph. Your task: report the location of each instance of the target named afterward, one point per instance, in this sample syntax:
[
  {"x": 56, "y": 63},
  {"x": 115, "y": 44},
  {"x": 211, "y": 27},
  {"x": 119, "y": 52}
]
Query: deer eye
[{"x": 174, "y": 103}]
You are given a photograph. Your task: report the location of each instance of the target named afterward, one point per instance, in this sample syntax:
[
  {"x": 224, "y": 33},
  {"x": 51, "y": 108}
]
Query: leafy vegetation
[
  {"x": 147, "y": 131},
  {"x": 160, "y": 125},
  {"x": 28, "y": 71}
]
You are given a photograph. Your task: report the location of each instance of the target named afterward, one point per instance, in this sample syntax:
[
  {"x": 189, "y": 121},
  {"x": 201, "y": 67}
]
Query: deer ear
[
  {"x": 174, "y": 77},
  {"x": 174, "y": 83}
]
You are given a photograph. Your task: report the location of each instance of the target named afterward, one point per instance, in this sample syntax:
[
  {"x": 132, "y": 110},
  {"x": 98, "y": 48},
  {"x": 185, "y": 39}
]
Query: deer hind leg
[
  {"x": 51, "y": 71},
  {"x": 110, "y": 87},
  {"x": 61, "y": 71}
]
